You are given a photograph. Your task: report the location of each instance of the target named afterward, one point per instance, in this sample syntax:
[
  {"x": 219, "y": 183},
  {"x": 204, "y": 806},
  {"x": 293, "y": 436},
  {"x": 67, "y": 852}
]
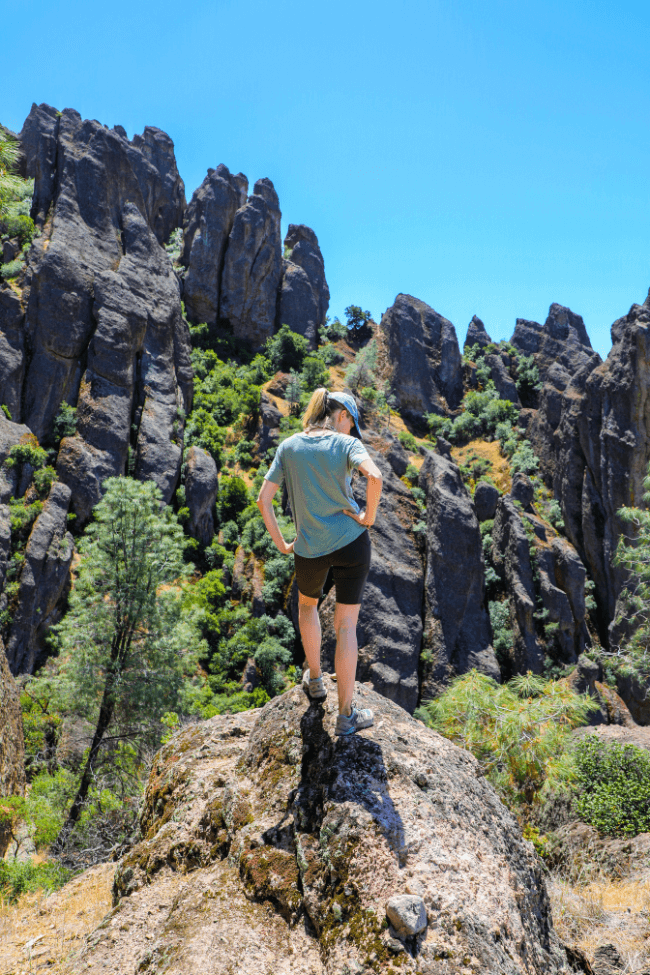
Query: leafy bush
[
  {"x": 333, "y": 331},
  {"x": 520, "y": 732},
  {"x": 330, "y": 354},
  {"x": 483, "y": 412},
  {"x": 524, "y": 459},
  {"x": 357, "y": 317},
  {"x": 19, "y": 877},
  {"x": 65, "y": 423},
  {"x": 21, "y": 226},
  {"x": 613, "y": 782},
  {"x": 502, "y": 636},
  {"x": 12, "y": 269},
  {"x": 408, "y": 441},
  {"x": 314, "y": 373},
  {"x": 527, "y": 379},
  {"x": 286, "y": 350},
  {"x": 233, "y": 499}
]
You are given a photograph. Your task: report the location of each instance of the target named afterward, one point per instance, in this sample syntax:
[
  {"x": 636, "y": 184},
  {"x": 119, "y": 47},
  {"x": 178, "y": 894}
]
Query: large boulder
[
  {"x": 477, "y": 334},
  {"x": 12, "y": 349},
  {"x": 271, "y": 846},
  {"x": 208, "y": 222},
  {"x": 43, "y": 579},
  {"x": 304, "y": 295},
  {"x": 201, "y": 489},
  {"x": 457, "y": 626},
  {"x": 103, "y": 313},
  {"x": 427, "y": 374},
  {"x": 12, "y": 744},
  {"x": 252, "y": 268}
]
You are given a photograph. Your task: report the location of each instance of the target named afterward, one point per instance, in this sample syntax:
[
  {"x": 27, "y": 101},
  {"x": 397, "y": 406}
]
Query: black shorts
[{"x": 347, "y": 568}]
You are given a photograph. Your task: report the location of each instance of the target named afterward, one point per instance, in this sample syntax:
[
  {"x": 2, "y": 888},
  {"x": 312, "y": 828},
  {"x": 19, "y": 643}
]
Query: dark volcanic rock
[
  {"x": 486, "y": 497},
  {"x": 457, "y": 626},
  {"x": 103, "y": 319},
  {"x": 501, "y": 378},
  {"x": 477, "y": 333},
  {"x": 423, "y": 348},
  {"x": 38, "y": 142},
  {"x": 304, "y": 295},
  {"x": 12, "y": 349},
  {"x": 253, "y": 265},
  {"x": 307, "y": 838},
  {"x": 208, "y": 222},
  {"x": 522, "y": 489},
  {"x": 397, "y": 457},
  {"x": 201, "y": 489},
  {"x": 269, "y": 423},
  {"x": 43, "y": 579},
  {"x": 389, "y": 631}
]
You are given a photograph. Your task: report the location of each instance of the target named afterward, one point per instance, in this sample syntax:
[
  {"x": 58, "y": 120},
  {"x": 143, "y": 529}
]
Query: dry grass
[
  {"x": 500, "y": 469},
  {"x": 47, "y": 933},
  {"x": 616, "y": 911}
]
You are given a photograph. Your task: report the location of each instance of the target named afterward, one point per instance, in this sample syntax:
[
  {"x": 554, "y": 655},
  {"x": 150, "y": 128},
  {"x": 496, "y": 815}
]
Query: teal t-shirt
[{"x": 317, "y": 471}]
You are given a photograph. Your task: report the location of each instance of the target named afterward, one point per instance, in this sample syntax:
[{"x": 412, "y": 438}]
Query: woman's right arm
[{"x": 373, "y": 493}]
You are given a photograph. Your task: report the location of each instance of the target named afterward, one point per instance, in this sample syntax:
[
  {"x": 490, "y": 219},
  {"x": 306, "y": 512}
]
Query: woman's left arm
[{"x": 264, "y": 503}]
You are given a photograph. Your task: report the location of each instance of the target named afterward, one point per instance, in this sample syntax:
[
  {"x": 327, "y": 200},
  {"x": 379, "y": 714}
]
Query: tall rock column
[
  {"x": 427, "y": 369},
  {"x": 12, "y": 743},
  {"x": 304, "y": 295},
  {"x": 208, "y": 222},
  {"x": 457, "y": 626},
  {"x": 252, "y": 268}
]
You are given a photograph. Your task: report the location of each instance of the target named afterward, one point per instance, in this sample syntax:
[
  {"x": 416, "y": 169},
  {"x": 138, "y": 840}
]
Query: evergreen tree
[
  {"x": 633, "y": 555},
  {"x": 124, "y": 645}
]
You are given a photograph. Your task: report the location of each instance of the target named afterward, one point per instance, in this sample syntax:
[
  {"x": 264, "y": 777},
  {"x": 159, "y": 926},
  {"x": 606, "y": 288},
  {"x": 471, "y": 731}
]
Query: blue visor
[{"x": 348, "y": 402}]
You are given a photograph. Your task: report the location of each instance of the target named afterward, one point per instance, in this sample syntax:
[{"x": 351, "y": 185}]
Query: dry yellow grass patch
[
  {"x": 500, "y": 472},
  {"x": 607, "y": 911},
  {"x": 47, "y": 933}
]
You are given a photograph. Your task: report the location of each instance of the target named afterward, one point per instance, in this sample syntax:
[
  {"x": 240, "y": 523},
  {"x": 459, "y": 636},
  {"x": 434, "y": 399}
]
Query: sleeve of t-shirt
[
  {"x": 357, "y": 453},
  {"x": 275, "y": 473}
]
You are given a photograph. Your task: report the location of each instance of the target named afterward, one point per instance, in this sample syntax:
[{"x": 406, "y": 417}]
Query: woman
[{"x": 331, "y": 532}]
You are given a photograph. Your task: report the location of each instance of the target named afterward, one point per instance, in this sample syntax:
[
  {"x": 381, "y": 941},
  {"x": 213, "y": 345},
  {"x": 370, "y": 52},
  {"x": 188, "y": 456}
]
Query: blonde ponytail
[{"x": 319, "y": 409}]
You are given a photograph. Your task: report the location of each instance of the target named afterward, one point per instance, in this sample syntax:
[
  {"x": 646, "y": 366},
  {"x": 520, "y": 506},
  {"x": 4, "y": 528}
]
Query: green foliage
[
  {"x": 42, "y": 727},
  {"x": 174, "y": 245},
  {"x": 19, "y": 877},
  {"x": 633, "y": 556},
  {"x": 554, "y": 515},
  {"x": 357, "y": 317},
  {"x": 294, "y": 390},
  {"x": 520, "y": 732},
  {"x": 6, "y": 411},
  {"x": 408, "y": 441},
  {"x": 19, "y": 225},
  {"x": 12, "y": 269},
  {"x": 314, "y": 373},
  {"x": 44, "y": 479},
  {"x": 613, "y": 783},
  {"x": 527, "y": 378},
  {"x": 330, "y": 355},
  {"x": 333, "y": 331},
  {"x": 233, "y": 499},
  {"x": 412, "y": 473},
  {"x": 244, "y": 452},
  {"x": 524, "y": 459},
  {"x": 65, "y": 423},
  {"x": 48, "y": 800},
  {"x": 27, "y": 453},
  {"x": 483, "y": 412},
  {"x": 11, "y": 186},
  {"x": 502, "y": 636},
  {"x": 286, "y": 350},
  {"x": 361, "y": 372}
]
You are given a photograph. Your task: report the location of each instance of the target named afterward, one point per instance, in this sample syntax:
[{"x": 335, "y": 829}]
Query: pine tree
[{"x": 123, "y": 644}]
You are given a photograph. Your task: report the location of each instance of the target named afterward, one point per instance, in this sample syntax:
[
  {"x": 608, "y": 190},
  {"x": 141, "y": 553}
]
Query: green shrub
[
  {"x": 19, "y": 877},
  {"x": 27, "y": 453},
  {"x": 408, "y": 441},
  {"x": 524, "y": 459},
  {"x": 412, "y": 473},
  {"x": 613, "y": 785},
  {"x": 333, "y": 331},
  {"x": 502, "y": 635},
  {"x": 233, "y": 498},
  {"x": 330, "y": 354},
  {"x": 314, "y": 373},
  {"x": 12, "y": 269},
  {"x": 65, "y": 423},
  {"x": 6, "y": 411},
  {"x": 286, "y": 350},
  {"x": 21, "y": 226}
]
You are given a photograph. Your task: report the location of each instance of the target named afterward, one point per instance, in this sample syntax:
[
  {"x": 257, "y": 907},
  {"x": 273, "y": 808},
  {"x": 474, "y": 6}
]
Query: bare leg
[
  {"x": 345, "y": 625},
  {"x": 310, "y": 632}
]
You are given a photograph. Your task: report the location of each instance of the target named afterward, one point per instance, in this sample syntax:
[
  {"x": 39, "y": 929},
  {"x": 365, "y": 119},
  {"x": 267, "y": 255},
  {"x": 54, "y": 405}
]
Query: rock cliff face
[
  {"x": 269, "y": 845},
  {"x": 12, "y": 746},
  {"x": 304, "y": 296},
  {"x": 427, "y": 372},
  {"x": 102, "y": 326}
]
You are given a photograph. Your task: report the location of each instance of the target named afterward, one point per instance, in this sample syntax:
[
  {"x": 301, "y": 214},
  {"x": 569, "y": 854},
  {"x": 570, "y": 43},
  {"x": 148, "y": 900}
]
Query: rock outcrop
[
  {"x": 269, "y": 845},
  {"x": 102, "y": 305},
  {"x": 304, "y": 296},
  {"x": 389, "y": 631},
  {"x": 477, "y": 334},
  {"x": 43, "y": 578},
  {"x": 252, "y": 268},
  {"x": 427, "y": 375},
  {"x": 208, "y": 222},
  {"x": 457, "y": 626},
  {"x": 201, "y": 489}
]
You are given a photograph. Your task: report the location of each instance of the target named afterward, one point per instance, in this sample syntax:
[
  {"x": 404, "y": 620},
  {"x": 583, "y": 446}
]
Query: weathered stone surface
[
  {"x": 104, "y": 302},
  {"x": 607, "y": 960},
  {"x": 397, "y": 456},
  {"x": 423, "y": 350},
  {"x": 208, "y": 222},
  {"x": 304, "y": 295},
  {"x": 407, "y": 913},
  {"x": 486, "y": 497},
  {"x": 512, "y": 561},
  {"x": 389, "y": 630},
  {"x": 248, "y": 581},
  {"x": 12, "y": 349},
  {"x": 500, "y": 376},
  {"x": 457, "y": 626},
  {"x": 477, "y": 333},
  {"x": 44, "y": 576},
  {"x": 12, "y": 744},
  {"x": 38, "y": 142},
  {"x": 522, "y": 489},
  {"x": 201, "y": 489},
  {"x": 270, "y": 839},
  {"x": 269, "y": 423},
  {"x": 252, "y": 268}
]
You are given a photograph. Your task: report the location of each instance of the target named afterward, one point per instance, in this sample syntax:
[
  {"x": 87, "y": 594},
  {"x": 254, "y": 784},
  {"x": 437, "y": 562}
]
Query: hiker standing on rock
[{"x": 331, "y": 532}]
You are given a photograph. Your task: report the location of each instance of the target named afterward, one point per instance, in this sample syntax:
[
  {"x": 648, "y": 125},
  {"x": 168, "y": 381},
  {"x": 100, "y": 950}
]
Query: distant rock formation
[
  {"x": 201, "y": 489},
  {"x": 477, "y": 334},
  {"x": 423, "y": 349},
  {"x": 304, "y": 295},
  {"x": 457, "y": 626},
  {"x": 12, "y": 744},
  {"x": 270, "y": 845}
]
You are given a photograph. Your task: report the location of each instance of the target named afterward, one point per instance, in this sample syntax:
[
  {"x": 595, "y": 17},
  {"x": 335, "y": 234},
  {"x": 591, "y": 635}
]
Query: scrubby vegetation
[{"x": 16, "y": 225}]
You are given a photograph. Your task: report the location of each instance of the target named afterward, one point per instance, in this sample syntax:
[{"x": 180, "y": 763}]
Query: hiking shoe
[
  {"x": 360, "y": 718},
  {"x": 314, "y": 688}
]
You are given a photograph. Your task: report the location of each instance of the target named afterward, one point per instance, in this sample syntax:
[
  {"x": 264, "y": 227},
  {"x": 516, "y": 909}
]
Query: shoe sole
[
  {"x": 311, "y": 697},
  {"x": 352, "y": 731}
]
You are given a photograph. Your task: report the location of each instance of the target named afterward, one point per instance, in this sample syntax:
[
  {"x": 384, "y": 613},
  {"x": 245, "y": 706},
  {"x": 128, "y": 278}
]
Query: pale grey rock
[
  {"x": 407, "y": 913},
  {"x": 201, "y": 489},
  {"x": 304, "y": 296}
]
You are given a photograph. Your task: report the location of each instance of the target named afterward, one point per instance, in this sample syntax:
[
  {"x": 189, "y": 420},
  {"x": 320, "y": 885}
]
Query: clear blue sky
[{"x": 488, "y": 158}]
